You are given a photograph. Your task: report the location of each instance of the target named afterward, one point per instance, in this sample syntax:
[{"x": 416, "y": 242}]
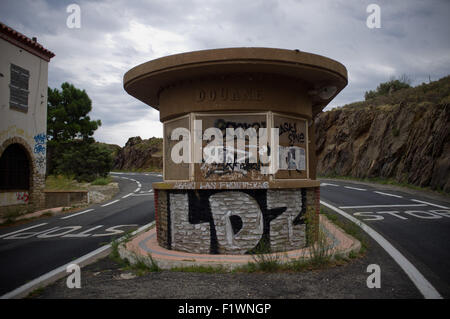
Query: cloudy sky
[{"x": 116, "y": 35}]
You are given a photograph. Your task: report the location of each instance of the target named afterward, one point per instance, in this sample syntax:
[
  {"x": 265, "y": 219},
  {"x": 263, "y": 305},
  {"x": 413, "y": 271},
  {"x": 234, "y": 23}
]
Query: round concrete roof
[{"x": 145, "y": 81}]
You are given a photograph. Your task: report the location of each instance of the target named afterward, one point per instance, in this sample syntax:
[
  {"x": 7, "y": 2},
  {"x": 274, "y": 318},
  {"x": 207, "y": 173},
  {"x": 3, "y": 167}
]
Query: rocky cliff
[
  {"x": 139, "y": 154},
  {"x": 402, "y": 136}
]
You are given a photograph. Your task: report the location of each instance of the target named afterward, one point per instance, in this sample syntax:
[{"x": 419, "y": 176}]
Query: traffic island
[
  {"x": 239, "y": 163},
  {"x": 145, "y": 248}
]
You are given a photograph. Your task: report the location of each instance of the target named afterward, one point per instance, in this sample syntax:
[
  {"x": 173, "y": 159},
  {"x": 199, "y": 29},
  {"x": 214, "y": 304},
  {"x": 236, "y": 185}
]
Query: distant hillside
[
  {"x": 402, "y": 136},
  {"x": 139, "y": 154}
]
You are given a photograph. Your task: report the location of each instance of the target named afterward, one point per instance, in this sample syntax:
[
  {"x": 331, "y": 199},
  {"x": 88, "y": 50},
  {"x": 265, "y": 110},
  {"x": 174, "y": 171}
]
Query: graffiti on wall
[
  {"x": 39, "y": 143},
  {"x": 237, "y": 222},
  {"x": 39, "y": 150},
  {"x": 22, "y": 197},
  {"x": 232, "y": 169},
  {"x": 292, "y": 155},
  {"x": 293, "y": 133}
]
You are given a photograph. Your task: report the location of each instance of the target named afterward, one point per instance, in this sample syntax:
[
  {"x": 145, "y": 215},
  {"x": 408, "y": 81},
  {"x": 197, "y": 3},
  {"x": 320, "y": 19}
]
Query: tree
[
  {"x": 71, "y": 149},
  {"x": 67, "y": 114},
  {"x": 389, "y": 87},
  {"x": 85, "y": 161}
]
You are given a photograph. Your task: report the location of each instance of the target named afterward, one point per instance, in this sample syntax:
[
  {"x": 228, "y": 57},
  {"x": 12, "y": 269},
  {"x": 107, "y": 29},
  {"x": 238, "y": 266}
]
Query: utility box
[{"x": 239, "y": 147}]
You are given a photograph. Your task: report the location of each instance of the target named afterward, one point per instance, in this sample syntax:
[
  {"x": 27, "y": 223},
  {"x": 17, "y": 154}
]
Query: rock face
[
  {"x": 140, "y": 154},
  {"x": 403, "y": 136}
]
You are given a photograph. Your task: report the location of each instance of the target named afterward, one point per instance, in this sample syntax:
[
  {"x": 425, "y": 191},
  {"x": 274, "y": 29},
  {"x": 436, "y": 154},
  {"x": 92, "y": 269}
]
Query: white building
[{"x": 23, "y": 119}]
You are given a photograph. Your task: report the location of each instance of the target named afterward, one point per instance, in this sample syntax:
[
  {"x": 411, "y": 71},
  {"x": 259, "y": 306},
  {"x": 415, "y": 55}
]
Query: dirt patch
[{"x": 106, "y": 279}]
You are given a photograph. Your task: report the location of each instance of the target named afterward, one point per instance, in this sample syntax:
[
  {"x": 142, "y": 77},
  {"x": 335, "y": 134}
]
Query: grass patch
[
  {"x": 140, "y": 266},
  {"x": 350, "y": 228},
  {"x": 35, "y": 293},
  {"x": 320, "y": 253},
  {"x": 102, "y": 181},
  {"x": 143, "y": 266},
  {"x": 61, "y": 182}
]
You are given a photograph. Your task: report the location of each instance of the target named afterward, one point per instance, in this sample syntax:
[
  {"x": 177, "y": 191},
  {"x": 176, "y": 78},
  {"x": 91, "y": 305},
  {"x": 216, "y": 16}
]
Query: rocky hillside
[
  {"x": 139, "y": 154},
  {"x": 402, "y": 136}
]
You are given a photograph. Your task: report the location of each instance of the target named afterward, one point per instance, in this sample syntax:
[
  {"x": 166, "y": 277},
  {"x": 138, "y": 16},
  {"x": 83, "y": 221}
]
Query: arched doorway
[{"x": 14, "y": 168}]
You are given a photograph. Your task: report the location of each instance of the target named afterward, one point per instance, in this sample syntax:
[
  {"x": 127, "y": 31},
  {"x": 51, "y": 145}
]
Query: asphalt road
[
  {"x": 30, "y": 250},
  {"x": 415, "y": 223}
]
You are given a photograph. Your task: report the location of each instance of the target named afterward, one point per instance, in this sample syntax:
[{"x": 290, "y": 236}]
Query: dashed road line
[
  {"x": 76, "y": 214},
  {"x": 355, "y": 188},
  {"x": 328, "y": 184},
  {"x": 419, "y": 201},
  {"x": 382, "y": 206},
  {"x": 424, "y": 286},
  {"x": 110, "y": 203},
  {"x": 386, "y": 194}
]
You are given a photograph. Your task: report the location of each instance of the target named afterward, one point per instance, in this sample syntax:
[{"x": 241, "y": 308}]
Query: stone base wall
[{"x": 235, "y": 221}]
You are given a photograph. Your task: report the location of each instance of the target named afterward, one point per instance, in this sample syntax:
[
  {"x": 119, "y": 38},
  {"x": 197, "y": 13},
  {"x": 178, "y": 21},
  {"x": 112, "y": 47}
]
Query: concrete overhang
[{"x": 324, "y": 78}]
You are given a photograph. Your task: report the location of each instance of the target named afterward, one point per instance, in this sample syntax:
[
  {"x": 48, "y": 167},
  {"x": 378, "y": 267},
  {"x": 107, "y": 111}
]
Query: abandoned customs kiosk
[{"x": 237, "y": 206}]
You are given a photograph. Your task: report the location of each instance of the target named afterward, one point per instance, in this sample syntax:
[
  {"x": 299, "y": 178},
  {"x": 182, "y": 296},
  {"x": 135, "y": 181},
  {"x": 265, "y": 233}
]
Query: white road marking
[
  {"x": 419, "y": 201},
  {"x": 137, "y": 189},
  {"x": 422, "y": 214},
  {"x": 61, "y": 271},
  {"x": 328, "y": 184},
  {"x": 393, "y": 213},
  {"x": 386, "y": 194},
  {"x": 382, "y": 206},
  {"x": 424, "y": 286},
  {"x": 355, "y": 188},
  {"x": 110, "y": 203},
  {"x": 76, "y": 214},
  {"x": 127, "y": 195},
  {"x": 368, "y": 214},
  {"x": 21, "y": 230}
]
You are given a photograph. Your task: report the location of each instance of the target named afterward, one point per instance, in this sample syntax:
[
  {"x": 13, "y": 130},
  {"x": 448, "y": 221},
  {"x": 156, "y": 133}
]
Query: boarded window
[
  {"x": 14, "y": 169},
  {"x": 19, "y": 88}
]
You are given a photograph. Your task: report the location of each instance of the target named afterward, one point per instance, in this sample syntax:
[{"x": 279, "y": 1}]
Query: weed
[{"x": 102, "y": 181}]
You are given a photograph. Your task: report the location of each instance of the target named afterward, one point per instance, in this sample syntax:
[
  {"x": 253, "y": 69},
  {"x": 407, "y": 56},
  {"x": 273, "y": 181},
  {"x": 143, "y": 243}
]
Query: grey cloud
[{"x": 413, "y": 40}]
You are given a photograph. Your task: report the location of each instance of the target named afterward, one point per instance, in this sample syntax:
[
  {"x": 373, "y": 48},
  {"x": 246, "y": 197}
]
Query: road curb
[
  {"x": 144, "y": 245},
  {"x": 60, "y": 272}
]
